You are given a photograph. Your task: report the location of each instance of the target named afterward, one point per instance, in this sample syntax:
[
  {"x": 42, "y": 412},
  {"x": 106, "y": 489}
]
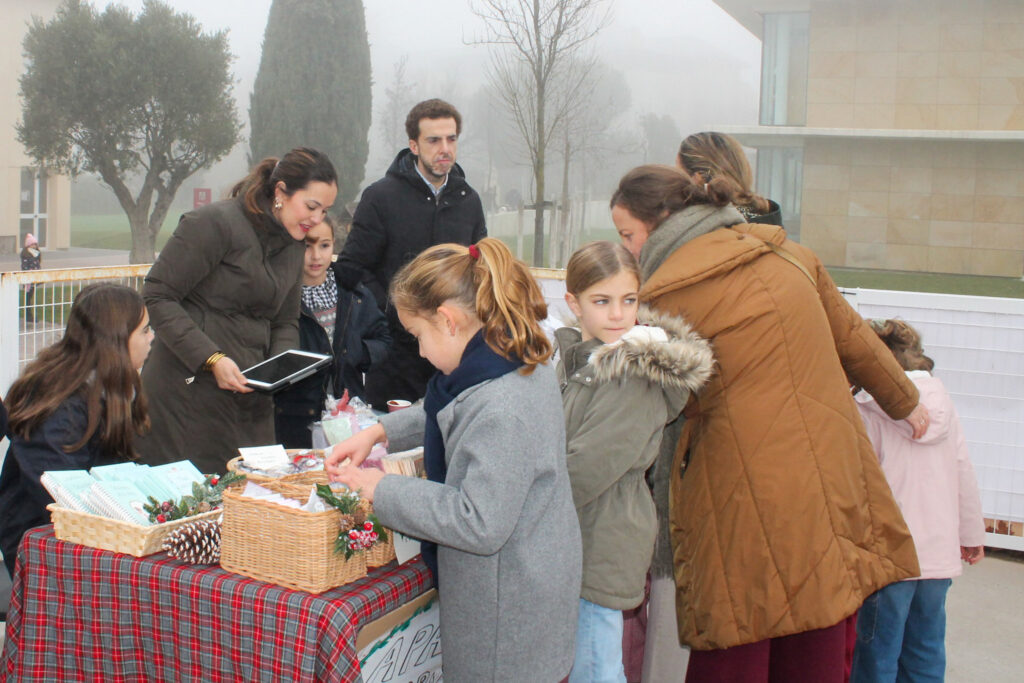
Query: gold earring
[{"x": 278, "y": 205}]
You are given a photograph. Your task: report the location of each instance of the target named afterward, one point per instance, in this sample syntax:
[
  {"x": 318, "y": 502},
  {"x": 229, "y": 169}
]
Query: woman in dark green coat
[{"x": 224, "y": 295}]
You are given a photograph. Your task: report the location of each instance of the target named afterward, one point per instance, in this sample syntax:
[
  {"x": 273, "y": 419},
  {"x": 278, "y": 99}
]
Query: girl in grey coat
[
  {"x": 622, "y": 382},
  {"x": 223, "y": 296},
  {"x": 497, "y": 502}
]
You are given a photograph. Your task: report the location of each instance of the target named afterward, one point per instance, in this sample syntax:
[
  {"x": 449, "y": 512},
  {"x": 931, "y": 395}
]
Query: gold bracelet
[{"x": 212, "y": 360}]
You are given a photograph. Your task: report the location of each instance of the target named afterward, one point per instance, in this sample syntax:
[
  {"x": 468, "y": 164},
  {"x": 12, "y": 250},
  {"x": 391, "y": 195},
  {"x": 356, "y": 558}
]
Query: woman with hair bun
[
  {"x": 782, "y": 522},
  {"x": 224, "y": 295},
  {"x": 708, "y": 155}
]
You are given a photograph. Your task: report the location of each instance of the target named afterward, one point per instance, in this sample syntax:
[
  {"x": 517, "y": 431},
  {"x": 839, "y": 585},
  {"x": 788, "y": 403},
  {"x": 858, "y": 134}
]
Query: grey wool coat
[
  {"x": 618, "y": 398},
  {"x": 509, "y": 543},
  {"x": 226, "y": 282}
]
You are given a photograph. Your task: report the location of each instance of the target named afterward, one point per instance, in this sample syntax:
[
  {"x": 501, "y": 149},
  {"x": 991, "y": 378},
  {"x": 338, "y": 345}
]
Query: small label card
[{"x": 265, "y": 457}]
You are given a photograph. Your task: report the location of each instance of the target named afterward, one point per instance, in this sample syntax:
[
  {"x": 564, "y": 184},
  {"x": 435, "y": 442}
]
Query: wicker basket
[
  {"x": 233, "y": 466},
  {"x": 382, "y": 552},
  {"x": 283, "y": 545},
  {"x": 113, "y": 534}
]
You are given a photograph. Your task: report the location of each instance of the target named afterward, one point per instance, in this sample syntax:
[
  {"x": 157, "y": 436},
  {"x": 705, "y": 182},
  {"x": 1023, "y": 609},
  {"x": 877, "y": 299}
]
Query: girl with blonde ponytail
[{"x": 496, "y": 514}]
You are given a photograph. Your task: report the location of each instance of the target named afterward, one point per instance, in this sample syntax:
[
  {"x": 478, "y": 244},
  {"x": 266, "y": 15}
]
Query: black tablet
[{"x": 284, "y": 369}]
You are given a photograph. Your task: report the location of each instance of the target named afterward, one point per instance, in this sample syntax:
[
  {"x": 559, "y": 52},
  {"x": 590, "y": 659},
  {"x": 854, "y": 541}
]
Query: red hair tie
[{"x": 474, "y": 252}]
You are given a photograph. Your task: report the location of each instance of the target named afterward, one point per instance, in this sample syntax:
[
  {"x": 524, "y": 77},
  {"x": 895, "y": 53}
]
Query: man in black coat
[{"x": 423, "y": 200}]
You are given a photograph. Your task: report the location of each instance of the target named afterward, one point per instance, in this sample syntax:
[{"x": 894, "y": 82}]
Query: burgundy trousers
[{"x": 818, "y": 656}]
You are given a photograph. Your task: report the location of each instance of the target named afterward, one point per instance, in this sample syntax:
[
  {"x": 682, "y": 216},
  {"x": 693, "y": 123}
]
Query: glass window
[
  {"x": 784, "y": 69},
  {"x": 33, "y": 204},
  {"x": 780, "y": 173},
  {"x": 28, "y": 197}
]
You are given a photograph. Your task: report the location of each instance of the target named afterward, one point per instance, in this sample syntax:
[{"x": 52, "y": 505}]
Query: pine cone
[
  {"x": 195, "y": 543},
  {"x": 359, "y": 516},
  {"x": 346, "y": 523}
]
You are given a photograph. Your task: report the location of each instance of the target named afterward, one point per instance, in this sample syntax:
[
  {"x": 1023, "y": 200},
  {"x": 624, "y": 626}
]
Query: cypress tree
[{"x": 313, "y": 86}]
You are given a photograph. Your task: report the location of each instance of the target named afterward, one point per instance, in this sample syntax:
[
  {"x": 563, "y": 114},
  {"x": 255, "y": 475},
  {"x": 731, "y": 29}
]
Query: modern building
[
  {"x": 30, "y": 199},
  {"x": 892, "y": 133}
]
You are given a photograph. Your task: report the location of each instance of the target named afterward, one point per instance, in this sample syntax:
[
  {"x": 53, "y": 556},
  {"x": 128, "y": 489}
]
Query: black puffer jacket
[
  {"x": 398, "y": 217},
  {"x": 361, "y": 341}
]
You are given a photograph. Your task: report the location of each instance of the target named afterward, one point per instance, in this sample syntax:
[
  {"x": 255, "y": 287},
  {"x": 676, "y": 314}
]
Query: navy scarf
[{"x": 479, "y": 363}]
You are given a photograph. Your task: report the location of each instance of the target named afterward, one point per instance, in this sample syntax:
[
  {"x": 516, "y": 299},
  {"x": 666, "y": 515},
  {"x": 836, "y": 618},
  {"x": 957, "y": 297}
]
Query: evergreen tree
[
  {"x": 141, "y": 101},
  {"x": 313, "y": 86}
]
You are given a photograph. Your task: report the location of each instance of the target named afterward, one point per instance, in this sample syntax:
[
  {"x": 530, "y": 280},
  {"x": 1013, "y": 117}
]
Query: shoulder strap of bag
[
  {"x": 794, "y": 260},
  {"x": 784, "y": 253}
]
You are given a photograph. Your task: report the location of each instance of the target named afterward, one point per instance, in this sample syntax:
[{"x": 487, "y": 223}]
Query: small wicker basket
[
  {"x": 233, "y": 465},
  {"x": 382, "y": 552},
  {"x": 118, "y": 536},
  {"x": 282, "y": 545}
]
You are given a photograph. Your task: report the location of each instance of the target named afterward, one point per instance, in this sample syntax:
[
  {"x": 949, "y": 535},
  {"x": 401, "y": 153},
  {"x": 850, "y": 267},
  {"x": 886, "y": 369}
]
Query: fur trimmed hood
[{"x": 682, "y": 362}]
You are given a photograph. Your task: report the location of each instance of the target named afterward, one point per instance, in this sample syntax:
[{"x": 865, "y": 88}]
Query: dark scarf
[{"x": 479, "y": 363}]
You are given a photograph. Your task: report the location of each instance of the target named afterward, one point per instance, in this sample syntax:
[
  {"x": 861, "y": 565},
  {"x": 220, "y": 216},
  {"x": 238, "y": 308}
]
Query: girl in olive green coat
[{"x": 621, "y": 384}]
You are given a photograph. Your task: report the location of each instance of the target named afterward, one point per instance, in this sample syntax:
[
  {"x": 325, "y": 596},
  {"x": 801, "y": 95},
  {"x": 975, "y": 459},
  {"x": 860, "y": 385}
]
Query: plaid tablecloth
[{"x": 81, "y": 614}]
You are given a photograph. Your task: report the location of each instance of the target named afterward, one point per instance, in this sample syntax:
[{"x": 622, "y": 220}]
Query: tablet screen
[{"x": 284, "y": 368}]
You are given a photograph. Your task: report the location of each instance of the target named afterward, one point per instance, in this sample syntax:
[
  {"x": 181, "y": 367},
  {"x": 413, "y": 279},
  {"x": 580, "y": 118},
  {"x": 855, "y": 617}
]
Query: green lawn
[
  {"x": 113, "y": 232},
  {"x": 974, "y": 285}
]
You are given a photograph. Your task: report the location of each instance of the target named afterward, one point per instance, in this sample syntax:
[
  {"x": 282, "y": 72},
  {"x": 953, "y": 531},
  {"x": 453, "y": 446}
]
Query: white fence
[
  {"x": 26, "y": 328},
  {"x": 977, "y": 344},
  {"x": 978, "y": 347}
]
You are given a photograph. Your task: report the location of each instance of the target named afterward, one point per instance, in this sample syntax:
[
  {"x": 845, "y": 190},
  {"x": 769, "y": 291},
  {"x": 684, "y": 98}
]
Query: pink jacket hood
[{"x": 932, "y": 478}]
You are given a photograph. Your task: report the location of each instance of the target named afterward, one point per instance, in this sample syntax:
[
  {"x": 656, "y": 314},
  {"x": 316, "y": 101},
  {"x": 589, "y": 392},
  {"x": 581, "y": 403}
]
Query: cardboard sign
[{"x": 403, "y": 646}]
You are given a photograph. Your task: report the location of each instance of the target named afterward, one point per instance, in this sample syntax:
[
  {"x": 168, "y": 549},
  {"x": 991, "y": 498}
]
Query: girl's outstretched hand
[
  {"x": 362, "y": 480},
  {"x": 353, "y": 450}
]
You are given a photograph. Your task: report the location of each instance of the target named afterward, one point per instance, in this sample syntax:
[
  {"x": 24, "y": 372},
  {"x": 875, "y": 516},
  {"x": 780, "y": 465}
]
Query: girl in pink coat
[{"x": 901, "y": 629}]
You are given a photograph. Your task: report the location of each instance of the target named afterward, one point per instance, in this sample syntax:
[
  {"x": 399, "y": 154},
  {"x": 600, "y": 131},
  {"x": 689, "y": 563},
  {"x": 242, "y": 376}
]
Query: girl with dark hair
[
  {"x": 339, "y": 318},
  {"x": 224, "y": 295},
  {"x": 496, "y": 513},
  {"x": 901, "y": 629},
  {"x": 78, "y": 404},
  {"x": 782, "y": 523}
]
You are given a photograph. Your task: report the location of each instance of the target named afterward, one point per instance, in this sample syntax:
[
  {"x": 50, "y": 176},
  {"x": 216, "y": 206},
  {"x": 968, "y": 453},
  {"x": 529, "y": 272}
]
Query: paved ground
[
  {"x": 77, "y": 257},
  {"x": 985, "y": 621}
]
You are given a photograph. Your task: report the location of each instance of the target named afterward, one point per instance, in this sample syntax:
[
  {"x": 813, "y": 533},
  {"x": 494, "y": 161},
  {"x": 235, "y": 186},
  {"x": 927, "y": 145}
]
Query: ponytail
[
  {"x": 654, "y": 192},
  {"x": 904, "y": 342},
  {"x": 488, "y": 281},
  {"x": 296, "y": 169},
  {"x": 720, "y": 156}
]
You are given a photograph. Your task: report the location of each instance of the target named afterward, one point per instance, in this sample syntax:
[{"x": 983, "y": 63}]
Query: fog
[{"x": 682, "y": 59}]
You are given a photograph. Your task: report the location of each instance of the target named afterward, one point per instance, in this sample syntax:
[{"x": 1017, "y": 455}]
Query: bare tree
[
  {"x": 397, "y": 103},
  {"x": 603, "y": 99},
  {"x": 543, "y": 42}
]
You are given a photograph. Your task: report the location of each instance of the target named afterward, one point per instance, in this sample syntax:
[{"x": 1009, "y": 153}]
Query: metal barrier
[
  {"x": 34, "y": 306},
  {"x": 977, "y": 344}
]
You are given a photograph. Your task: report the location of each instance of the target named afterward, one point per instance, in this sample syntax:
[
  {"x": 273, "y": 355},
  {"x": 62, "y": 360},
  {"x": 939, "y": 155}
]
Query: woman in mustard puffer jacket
[{"x": 783, "y": 523}]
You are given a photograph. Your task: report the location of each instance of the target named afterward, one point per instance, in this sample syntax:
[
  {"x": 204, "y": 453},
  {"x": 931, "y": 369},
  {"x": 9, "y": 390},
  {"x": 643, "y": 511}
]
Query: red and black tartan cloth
[{"x": 81, "y": 614}]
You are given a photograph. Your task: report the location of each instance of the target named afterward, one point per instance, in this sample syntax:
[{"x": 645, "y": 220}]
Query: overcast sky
[{"x": 685, "y": 58}]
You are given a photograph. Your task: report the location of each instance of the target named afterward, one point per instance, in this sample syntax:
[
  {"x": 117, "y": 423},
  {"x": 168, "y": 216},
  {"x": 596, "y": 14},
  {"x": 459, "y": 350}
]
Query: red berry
[
  {"x": 161, "y": 519},
  {"x": 214, "y": 480}
]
